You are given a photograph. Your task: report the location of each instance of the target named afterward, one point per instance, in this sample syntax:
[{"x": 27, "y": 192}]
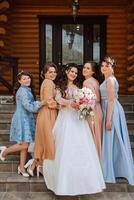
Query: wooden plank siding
[
  {"x": 5, "y": 19},
  {"x": 130, "y": 50},
  {"x": 24, "y": 36}
]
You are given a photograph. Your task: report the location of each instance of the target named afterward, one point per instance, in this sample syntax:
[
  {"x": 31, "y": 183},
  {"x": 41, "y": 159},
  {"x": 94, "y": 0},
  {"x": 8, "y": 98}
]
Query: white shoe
[
  {"x": 28, "y": 166},
  {"x": 2, "y": 149},
  {"x": 39, "y": 170},
  {"x": 30, "y": 162},
  {"x": 22, "y": 173}
]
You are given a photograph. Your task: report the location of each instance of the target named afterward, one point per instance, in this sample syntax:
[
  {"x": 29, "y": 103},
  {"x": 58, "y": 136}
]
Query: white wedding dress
[{"x": 76, "y": 169}]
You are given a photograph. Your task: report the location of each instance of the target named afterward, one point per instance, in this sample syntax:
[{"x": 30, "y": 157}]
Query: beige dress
[
  {"x": 96, "y": 127},
  {"x": 44, "y": 141}
]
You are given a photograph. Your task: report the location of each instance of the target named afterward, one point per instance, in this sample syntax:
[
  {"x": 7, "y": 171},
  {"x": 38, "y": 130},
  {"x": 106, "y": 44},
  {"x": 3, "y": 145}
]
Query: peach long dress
[
  {"x": 44, "y": 141},
  {"x": 96, "y": 127}
]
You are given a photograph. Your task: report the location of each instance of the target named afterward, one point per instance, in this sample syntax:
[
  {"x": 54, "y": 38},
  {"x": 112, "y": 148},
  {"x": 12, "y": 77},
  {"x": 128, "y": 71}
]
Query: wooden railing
[{"x": 8, "y": 71}]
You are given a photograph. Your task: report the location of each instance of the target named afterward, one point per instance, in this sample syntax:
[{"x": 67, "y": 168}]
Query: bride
[{"x": 76, "y": 168}]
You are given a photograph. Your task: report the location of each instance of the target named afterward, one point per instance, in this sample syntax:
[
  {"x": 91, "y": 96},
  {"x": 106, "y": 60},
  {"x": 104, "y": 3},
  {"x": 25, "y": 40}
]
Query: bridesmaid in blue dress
[
  {"x": 117, "y": 160},
  {"x": 23, "y": 124}
]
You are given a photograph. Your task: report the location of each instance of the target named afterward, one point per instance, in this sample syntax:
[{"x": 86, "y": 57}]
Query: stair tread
[
  {"x": 4, "y": 121},
  {"x": 14, "y": 177},
  {"x": 11, "y": 158},
  {"x": 4, "y": 131}
]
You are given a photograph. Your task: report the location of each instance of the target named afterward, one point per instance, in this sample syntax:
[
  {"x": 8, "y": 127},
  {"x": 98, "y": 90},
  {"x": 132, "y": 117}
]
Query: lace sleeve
[
  {"x": 60, "y": 100},
  {"x": 28, "y": 103}
]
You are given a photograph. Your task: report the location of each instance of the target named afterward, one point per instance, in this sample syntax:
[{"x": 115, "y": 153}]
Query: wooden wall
[
  {"x": 130, "y": 50},
  {"x": 24, "y": 36},
  {"x": 5, "y": 38}
]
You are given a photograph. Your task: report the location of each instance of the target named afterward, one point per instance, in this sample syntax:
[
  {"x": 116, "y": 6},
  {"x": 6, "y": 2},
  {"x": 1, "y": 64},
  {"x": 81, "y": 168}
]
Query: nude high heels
[
  {"x": 28, "y": 166},
  {"x": 22, "y": 173},
  {"x": 39, "y": 170}
]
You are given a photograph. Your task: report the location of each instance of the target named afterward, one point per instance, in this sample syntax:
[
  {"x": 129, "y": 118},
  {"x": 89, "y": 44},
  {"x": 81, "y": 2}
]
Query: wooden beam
[
  {"x": 3, "y": 18},
  {"x": 1, "y": 43},
  {"x": 2, "y": 31},
  {"x": 4, "y": 5}
]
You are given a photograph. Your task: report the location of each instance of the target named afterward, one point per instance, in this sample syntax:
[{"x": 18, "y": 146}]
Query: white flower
[
  {"x": 92, "y": 113},
  {"x": 81, "y": 95}
]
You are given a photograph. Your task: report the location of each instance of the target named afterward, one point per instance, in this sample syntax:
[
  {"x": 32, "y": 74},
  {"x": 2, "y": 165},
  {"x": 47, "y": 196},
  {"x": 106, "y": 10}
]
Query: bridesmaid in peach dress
[
  {"x": 89, "y": 70},
  {"x": 44, "y": 142},
  {"x": 44, "y": 147}
]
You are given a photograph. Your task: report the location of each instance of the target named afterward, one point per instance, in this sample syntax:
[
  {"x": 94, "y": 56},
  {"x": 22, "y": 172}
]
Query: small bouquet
[{"x": 86, "y": 99}]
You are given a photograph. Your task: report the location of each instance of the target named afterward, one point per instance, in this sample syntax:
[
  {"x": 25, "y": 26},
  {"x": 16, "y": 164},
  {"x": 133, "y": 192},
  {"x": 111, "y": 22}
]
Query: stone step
[
  {"x": 126, "y": 98},
  {"x": 39, "y": 196},
  {"x": 8, "y": 115},
  {"x": 12, "y": 161},
  {"x": 130, "y": 124},
  {"x": 12, "y": 182},
  {"x": 126, "y": 101},
  {"x": 5, "y": 137},
  {"x": 10, "y": 107},
  {"x": 128, "y": 107},
  {"x": 129, "y": 115},
  {"x": 50, "y": 196},
  {"x": 9, "y": 165},
  {"x": 6, "y": 143},
  {"x": 5, "y": 124}
]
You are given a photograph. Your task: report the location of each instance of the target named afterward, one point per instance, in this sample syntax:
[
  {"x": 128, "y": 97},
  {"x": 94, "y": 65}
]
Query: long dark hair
[
  {"x": 62, "y": 82},
  {"x": 17, "y": 85}
]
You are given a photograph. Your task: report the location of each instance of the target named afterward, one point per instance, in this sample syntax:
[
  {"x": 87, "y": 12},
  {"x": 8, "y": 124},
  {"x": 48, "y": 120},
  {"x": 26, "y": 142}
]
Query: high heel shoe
[
  {"x": 2, "y": 148},
  {"x": 22, "y": 173},
  {"x": 28, "y": 166},
  {"x": 39, "y": 171}
]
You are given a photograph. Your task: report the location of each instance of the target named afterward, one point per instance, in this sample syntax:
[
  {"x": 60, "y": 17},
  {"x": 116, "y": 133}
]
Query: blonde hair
[{"x": 110, "y": 60}]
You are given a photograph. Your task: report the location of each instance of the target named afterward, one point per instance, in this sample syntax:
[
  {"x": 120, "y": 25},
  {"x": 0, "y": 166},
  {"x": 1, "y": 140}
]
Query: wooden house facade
[{"x": 104, "y": 27}]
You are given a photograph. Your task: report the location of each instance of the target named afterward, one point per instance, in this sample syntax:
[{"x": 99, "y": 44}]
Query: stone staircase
[{"x": 10, "y": 181}]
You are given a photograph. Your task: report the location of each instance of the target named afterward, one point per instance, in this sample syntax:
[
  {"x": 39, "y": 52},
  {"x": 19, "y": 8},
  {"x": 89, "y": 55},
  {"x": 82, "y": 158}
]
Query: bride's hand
[{"x": 75, "y": 105}]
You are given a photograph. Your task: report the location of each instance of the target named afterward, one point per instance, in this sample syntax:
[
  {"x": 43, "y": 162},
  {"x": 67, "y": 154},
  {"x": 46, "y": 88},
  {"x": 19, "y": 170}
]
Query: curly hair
[
  {"x": 62, "y": 80},
  {"x": 17, "y": 85}
]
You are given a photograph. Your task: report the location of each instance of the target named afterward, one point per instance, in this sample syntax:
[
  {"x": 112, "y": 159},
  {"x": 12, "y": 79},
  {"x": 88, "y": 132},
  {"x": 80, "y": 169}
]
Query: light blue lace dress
[
  {"x": 117, "y": 158},
  {"x": 23, "y": 122}
]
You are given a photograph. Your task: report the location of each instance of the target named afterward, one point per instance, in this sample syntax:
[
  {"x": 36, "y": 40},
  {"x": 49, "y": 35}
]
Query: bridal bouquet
[{"x": 86, "y": 99}]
